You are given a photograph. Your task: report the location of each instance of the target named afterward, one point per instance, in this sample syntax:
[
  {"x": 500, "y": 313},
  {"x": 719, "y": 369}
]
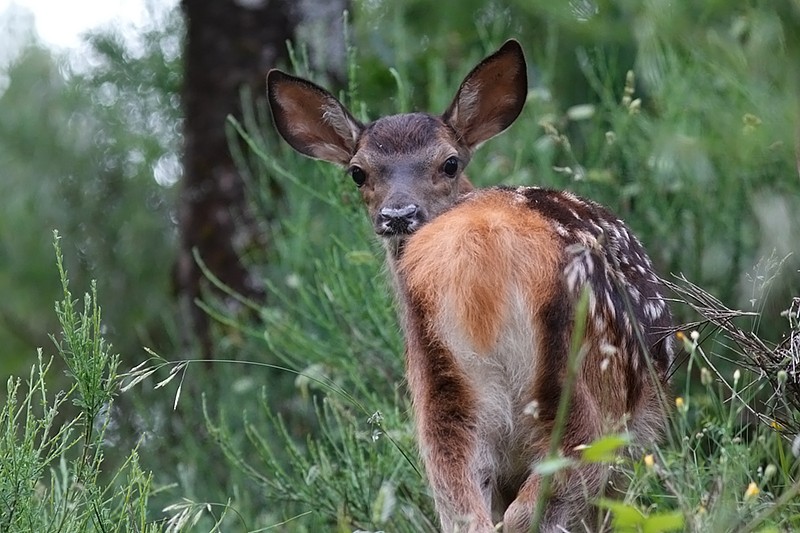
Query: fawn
[{"x": 488, "y": 281}]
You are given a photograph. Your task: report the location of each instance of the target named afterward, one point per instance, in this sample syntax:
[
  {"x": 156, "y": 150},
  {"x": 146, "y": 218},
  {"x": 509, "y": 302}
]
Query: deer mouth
[
  {"x": 398, "y": 221},
  {"x": 394, "y": 240},
  {"x": 394, "y": 243},
  {"x": 397, "y": 228},
  {"x": 395, "y": 234}
]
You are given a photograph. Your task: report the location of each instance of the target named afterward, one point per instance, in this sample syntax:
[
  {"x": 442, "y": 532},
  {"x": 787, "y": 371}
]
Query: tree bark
[{"x": 229, "y": 45}]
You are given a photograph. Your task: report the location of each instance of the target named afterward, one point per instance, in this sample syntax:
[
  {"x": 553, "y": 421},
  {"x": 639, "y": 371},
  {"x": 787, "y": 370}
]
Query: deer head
[{"x": 409, "y": 167}]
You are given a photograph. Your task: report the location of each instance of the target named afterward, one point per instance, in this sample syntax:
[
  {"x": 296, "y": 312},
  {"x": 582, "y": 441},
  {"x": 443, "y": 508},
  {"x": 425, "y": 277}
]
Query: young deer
[{"x": 488, "y": 282}]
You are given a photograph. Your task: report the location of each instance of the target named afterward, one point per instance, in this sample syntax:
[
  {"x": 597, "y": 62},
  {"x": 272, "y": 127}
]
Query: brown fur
[
  {"x": 469, "y": 257},
  {"x": 488, "y": 283}
]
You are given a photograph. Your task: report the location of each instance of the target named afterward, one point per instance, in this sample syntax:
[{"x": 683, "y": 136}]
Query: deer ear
[
  {"x": 491, "y": 97},
  {"x": 311, "y": 119}
]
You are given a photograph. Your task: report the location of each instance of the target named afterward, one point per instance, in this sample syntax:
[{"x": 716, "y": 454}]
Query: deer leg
[
  {"x": 519, "y": 514},
  {"x": 457, "y": 466},
  {"x": 459, "y": 498},
  {"x": 459, "y": 470}
]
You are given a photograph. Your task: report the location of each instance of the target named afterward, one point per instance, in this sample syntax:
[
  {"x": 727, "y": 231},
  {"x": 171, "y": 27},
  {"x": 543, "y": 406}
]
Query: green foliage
[
  {"x": 357, "y": 473},
  {"x": 678, "y": 116},
  {"x": 80, "y": 145},
  {"x": 658, "y": 110},
  {"x": 51, "y": 455},
  {"x": 605, "y": 449},
  {"x": 628, "y": 518},
  {"x": 721, "y": 469}
]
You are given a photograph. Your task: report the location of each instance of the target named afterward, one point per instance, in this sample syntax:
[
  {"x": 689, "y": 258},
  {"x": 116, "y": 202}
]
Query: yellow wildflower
[{"x": 751, "y": 492}]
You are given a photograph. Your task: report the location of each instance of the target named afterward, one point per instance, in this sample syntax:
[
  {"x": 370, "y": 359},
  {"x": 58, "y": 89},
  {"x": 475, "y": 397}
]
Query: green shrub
[{"x": 53, "y": 445}]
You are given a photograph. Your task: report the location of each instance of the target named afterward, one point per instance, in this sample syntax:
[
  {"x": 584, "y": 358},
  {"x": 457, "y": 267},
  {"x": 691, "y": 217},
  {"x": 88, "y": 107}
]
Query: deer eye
[
  {"x": 450, "y": 166},
  {"x": 358, "y": 175}
]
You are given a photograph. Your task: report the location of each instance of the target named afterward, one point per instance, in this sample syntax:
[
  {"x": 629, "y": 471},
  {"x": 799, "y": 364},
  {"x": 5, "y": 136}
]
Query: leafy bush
[{"x": 53, "y": 446}]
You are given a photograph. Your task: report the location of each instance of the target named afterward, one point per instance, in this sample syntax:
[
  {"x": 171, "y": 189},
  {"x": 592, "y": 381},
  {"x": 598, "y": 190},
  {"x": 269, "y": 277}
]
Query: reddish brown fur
[
  {"x": 469, "y": 257},
  {"x": 488, "y": 283}
]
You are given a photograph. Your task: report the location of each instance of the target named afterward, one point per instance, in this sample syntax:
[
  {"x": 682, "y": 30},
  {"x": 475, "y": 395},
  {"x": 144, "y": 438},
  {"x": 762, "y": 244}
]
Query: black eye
[
  {"x": 358, "y": 175},
  {"x": 450, "y": 166}
]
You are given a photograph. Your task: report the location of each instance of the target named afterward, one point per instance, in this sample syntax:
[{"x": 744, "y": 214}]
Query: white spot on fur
[
  {"x": 588, "y": 264},
  {"x": 575, "y": 271},
  {"x": 532, "y": 409},
  {"x": 670, "y": 345},
  {"x": 608, "y": 349},
  {"x": 560, "y": 229},
  {"x": 636, "y": 296},
  {"x": 610, "y": 305},
  {"x": 651, "y": 310},
  {"x": 567, "y": 195},
  {"x": 599, "y": 320}
]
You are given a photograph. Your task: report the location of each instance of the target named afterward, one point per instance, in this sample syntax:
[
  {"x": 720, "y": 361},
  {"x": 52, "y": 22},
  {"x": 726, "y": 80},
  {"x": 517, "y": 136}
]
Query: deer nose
[{"x": 399, "y": 219}]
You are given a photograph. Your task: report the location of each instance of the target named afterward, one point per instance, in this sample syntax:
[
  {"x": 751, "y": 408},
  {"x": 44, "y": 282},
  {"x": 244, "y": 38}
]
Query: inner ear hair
[
  {"x": 311, "y": 119},
  {"x": 491, "y": 96}
]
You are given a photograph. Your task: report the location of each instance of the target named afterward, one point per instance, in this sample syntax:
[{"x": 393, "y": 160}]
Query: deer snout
[{"x": 398, "y": 220}]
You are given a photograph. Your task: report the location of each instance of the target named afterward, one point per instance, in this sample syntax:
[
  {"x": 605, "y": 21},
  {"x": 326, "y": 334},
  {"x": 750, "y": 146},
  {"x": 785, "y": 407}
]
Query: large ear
[
  {"x": 311, "y": 119},
  {"x": 490, "y": 97}
]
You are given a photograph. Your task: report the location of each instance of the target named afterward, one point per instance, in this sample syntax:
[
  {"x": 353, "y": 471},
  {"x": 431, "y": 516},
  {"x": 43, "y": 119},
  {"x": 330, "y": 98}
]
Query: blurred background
[{"x": 140, "y": 133}]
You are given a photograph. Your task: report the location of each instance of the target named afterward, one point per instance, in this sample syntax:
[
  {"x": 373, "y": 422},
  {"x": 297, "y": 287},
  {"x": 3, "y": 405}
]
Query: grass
[
  {"x": 726, "y": 464},
  {"x": 52, "y": 445}
]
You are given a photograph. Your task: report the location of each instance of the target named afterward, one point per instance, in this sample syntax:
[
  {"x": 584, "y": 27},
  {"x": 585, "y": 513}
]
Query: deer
[{"x": 487, "y": 283}]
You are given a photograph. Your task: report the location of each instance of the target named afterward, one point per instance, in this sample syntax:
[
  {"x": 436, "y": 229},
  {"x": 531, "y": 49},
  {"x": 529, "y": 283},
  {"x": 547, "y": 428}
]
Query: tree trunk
[{"x": 229, "y": 45}]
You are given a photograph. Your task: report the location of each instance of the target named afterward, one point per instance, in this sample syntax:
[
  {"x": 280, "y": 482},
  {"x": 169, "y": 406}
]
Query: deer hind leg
[
  {"x": 571, "y": 490},
  {"x": 572, "y": 506},
  {"x": 567, "y": 509},
  {"x": 519, "y": 515},
  {"x": 462, "y": 504}
]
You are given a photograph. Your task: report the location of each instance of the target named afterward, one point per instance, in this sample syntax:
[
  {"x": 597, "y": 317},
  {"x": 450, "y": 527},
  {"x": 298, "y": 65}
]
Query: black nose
[{"x": 394, "y": 220}]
